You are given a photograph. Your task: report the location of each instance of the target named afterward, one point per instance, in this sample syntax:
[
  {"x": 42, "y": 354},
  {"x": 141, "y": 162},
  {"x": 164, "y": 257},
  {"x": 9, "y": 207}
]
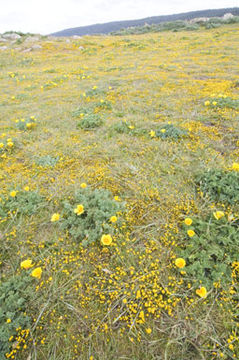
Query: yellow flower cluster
[{"x": 27, "y": 264}]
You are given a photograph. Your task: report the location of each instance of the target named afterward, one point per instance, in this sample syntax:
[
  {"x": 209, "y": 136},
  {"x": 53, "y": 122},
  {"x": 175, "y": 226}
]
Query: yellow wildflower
[
  {"x": 37, "y": 273},
  {"x": 55, "y": 217},
  {"x": 163, "y": 131},
  {"x": 13, "y": 193},
  {"x": 235, "y": 166},
  {"x": 113, "y": 219},
  {"x": 148, "y": 331},
  {"x": 83, "y": 185},
  {"x": 202, "y": 292},
  {"x": 191, "y": 233},
  {"x": 188, "y": 221},
  {"x": 138, "y": 294},
  {"x": 180, "y": 263},
  {"x": 26, "y": 264},
  {"x": 10, "y": 144},
  {"x": 218, "y": 214},
  {"x": 106, "y": 239},
  {"x": 1, "y": 145},
  {"x": 141, "y": 316},
  {"x": 8, "y": 321},
  {"x": 26, "y": 188},
  {"x": 152, "y": 133},
  {"x": 207, "y": 103},
  {"x": 79, "y": 209}
]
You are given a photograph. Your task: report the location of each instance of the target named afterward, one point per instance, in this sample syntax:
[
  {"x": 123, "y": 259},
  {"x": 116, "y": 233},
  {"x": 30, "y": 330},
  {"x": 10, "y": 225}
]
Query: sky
[{"x": 47, "y": 16}]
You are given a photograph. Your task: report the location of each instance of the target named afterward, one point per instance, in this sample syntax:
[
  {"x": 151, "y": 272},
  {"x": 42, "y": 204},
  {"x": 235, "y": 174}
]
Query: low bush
[
  {"x": 14, "y": 323},
  {"x": 27, "y": 124},
  {"x": 210, "y": 248},
  {"x": 89, "y": 215},
  {"x": 169, "y": 131},
  {"x": 90, "y": 121},
  {"x": 20, "y": 202},
  {"x": 220, "y": 185},
  {"x": 47, "y": 160}
]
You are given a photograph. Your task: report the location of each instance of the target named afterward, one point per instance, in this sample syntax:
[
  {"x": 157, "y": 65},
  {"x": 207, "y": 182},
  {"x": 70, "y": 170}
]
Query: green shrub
[
  {"x": 47, "y": 160},
  {"x": 220, "y": 185},
  {"x": 94, "y": 92},
  {"x": 104, "y": 104},
  {"x": 89, "y": 226},
  {"x": 14, "y": 298},
  {"x": 210, "y": 253},
  {"x": 93, "y": 109},
  {"x": 169, "y": 131},
  {"x": 81, "y": 111},
  {"x": 90, "y": 121},
  {"x": 224, "y": 102},
  {"x": 24, "y": 202},
  {"x": 6, "y": 145},
  {"x": 27, "y": 124},
  {"x": 121, "y": 127}
]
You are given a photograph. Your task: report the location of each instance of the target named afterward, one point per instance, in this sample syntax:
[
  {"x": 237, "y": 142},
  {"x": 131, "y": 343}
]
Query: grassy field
[{"x": 119, "y": 198}]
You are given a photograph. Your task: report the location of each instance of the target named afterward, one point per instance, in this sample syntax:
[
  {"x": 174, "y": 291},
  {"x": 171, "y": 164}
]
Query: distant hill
[{"x": 115, "y": 26}]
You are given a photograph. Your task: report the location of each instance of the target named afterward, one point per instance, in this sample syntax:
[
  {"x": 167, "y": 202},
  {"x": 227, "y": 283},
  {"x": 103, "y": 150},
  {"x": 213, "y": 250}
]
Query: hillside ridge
[{"x": 106, "y": 28}]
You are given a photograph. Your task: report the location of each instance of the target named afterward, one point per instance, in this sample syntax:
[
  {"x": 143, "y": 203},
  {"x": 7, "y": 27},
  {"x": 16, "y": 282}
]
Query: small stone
[{"x": 11, "y": 36}]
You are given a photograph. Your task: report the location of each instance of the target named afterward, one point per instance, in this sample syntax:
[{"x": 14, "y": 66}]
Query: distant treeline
[
  {"x": 116, "y": 26},
  {"x": 178, "y": 25}
]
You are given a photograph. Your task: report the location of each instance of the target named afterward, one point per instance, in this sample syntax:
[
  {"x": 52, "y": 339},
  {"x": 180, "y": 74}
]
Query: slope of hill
[
  {"x": 107, "y": 28},
  {"x": 119, "y": 197}
]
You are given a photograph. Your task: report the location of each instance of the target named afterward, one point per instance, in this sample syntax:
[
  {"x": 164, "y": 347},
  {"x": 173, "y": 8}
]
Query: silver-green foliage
[
  {"x": 220, "y": 185},
  {"x": 14, "y": 297},
  {"x": 25, "y": 203},
  {"x": 89, "y": 226},
  {"x": 210, "y": 253}
]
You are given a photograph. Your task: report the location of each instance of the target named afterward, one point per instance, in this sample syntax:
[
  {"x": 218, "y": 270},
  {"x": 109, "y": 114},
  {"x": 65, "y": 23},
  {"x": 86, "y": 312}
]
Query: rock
[
  {"x": 2, "y": 39},
  {"x": 33, "y": 47},
  {"x": 228, "y": 16},
  {"x": 3, "y": 48},
  {"x": 198, "y": 20},
  {"x": 36, "y": 47},
  {"x": 32, "y": 39},
  {"x": 27, "y": 50},
  {"x": 68, "y": 41},
  {"x": 11, "y": 36},
  {"x": 76, "y": 37},
  {"x": 81, "y": 47}
]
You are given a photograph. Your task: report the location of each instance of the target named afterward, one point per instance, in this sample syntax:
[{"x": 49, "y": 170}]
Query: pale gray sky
[{"x": 46, "y": 16}]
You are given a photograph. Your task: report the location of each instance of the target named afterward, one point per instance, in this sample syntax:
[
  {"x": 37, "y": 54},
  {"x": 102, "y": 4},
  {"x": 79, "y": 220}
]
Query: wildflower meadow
[{"x": 119, "y": 198}]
